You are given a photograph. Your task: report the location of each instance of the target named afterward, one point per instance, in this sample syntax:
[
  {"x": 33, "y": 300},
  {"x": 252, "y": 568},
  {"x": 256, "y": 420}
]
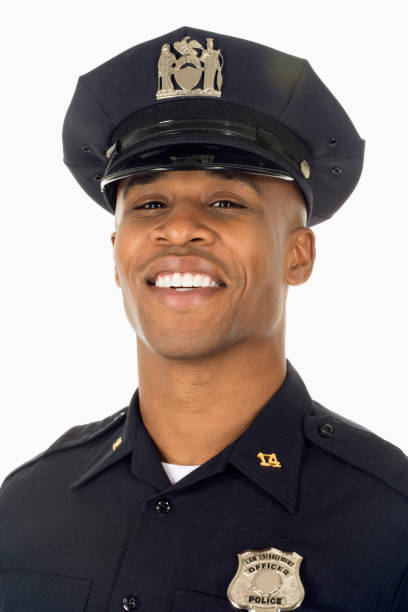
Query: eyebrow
[
  {"x": 142, "y": 179},
  {"x": 151, "y": 177},
  {"x": 234, "y": 175}
]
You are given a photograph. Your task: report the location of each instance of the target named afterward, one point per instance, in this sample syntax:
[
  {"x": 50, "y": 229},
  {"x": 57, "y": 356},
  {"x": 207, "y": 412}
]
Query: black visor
[{"x": 188, "y": 157}]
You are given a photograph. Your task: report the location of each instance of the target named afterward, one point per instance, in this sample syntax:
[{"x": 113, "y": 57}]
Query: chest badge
[{"x": 267, "y": 581}]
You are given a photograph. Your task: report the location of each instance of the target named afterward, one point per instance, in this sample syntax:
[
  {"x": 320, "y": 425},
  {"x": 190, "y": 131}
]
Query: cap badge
[
  {"x": 267, "y": 581},
  {"x": 190, "y": 74}
]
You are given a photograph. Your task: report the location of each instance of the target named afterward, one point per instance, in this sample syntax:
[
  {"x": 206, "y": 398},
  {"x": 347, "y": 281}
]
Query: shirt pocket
[
  {"x": 194, "y": 601},
  {"x": 24, "y": 591}
]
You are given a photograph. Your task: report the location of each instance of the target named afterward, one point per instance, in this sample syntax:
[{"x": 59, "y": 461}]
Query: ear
[
  {"x": 300, "y": 255},
  {"x": 113, "y": 238}
]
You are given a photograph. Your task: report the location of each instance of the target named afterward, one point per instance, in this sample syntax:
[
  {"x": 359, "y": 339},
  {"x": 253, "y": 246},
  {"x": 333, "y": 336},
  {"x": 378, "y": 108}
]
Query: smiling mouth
[{"x": 219, "y": 284}]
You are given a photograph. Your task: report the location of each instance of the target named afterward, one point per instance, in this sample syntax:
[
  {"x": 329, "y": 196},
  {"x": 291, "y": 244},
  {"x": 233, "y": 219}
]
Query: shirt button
[
  {"x": 326, "y": 430},
  {"x": 163, "y": 505},
  {"x": 130, "y": 602}
]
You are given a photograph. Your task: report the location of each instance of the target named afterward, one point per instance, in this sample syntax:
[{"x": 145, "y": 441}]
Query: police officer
[{"x": 223, "y": 485}]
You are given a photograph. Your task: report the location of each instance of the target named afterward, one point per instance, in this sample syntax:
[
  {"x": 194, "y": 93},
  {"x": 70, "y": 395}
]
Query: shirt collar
[
  {"x": 276, "y": 438},
  {"x": 119, "y": 444},
  {"x": 276, "y": 432}
]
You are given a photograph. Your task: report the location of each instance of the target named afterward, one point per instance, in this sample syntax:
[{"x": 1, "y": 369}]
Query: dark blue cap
[{"x": 193, "y": 99}]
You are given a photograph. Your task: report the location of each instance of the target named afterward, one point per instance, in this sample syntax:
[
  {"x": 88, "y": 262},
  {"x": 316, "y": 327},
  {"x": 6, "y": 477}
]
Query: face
[{"x": 248, "y": 229}]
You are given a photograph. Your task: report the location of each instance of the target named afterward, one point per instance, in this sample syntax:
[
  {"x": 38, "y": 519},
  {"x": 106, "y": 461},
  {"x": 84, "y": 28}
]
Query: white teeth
[
  {"x": 207, "y": 282},
  {"x": 186, "y": 280}
]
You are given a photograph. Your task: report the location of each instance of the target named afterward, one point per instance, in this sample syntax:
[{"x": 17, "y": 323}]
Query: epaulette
[
  {"x": 358, "y": 446},
  {"x": 75, "y": 436}
]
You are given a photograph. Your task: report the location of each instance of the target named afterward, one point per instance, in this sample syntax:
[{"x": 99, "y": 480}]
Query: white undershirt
[{"x": 177, "y": 472}]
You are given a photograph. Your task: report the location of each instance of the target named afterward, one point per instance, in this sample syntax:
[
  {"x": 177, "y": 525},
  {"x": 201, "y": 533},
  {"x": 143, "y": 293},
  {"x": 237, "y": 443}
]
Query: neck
[{"x": 194, "y": 409}]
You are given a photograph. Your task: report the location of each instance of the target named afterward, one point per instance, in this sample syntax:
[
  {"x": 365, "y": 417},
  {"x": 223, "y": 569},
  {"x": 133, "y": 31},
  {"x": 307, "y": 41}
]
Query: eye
[
  {"x": 146, "y": 204},
  {"x": 154, "y": 204},
  {"x": 223, "y": 204}
]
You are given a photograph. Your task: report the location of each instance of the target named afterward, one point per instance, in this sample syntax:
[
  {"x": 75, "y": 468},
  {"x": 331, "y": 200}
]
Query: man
[{"x": 222, "y": 485}]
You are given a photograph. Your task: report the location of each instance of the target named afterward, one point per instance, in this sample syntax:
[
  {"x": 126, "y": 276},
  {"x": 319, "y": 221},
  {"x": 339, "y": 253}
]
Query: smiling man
[
  {"x": 241, "y": 240},
  {"x": 222, "y": 485}
]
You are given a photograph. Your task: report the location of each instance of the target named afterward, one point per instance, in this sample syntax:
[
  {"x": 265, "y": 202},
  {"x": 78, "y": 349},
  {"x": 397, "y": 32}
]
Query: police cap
[{"x": 197, "y": 100}]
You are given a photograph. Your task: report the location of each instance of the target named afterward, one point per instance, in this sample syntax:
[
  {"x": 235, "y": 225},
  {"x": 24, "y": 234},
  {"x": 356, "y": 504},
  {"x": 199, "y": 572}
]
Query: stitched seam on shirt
[{"x": 404, "y": 581}]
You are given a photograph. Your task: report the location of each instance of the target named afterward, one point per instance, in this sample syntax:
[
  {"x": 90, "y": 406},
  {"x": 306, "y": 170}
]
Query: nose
[{"x": 183, "y": 224}]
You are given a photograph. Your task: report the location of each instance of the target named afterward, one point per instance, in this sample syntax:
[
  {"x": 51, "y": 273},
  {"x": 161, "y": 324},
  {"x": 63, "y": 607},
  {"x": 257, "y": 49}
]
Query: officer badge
[
  {"x": 267, "y": 581},
  {"x": 196, "y": 72}
]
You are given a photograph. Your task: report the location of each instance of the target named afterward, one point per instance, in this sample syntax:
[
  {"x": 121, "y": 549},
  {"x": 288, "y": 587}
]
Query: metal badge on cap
[
  {"x": 183, "y": 76},
  {"x": 267, "y": 581}
]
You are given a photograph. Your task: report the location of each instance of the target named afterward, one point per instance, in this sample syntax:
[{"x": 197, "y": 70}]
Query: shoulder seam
[
  {"x": 357, "y": 435},
  {"x": 68, "y": 440}
]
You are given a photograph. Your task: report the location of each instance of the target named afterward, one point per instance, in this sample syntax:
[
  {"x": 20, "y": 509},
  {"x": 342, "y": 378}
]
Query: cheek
[
  {"x": 266, "y": 288},
  {"x": 265, "y": 256},
  {"x": 127, "y": 250}
]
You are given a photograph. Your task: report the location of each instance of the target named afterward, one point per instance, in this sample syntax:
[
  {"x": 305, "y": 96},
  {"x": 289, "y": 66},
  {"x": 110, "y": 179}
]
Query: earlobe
[
  {"x": 117, "y": 281},
  {"x": 301, "y": 256}
]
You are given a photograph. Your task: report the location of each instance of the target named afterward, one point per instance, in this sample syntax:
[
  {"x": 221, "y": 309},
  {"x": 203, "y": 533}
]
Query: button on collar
[
  {"x": 130, "y": 602},
  {"x": 163, "y": 505},
  {"x": 326, "y": 430}
]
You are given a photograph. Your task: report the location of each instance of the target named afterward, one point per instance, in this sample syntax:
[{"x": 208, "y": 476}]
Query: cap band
[{"x": 252, "y": 133}]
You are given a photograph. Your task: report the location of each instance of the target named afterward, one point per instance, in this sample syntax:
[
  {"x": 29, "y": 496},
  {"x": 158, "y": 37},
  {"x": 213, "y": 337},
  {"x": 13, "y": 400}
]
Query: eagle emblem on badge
[
  {"x": 192, "y": 71},
  {"x": 267, "y": 581}
]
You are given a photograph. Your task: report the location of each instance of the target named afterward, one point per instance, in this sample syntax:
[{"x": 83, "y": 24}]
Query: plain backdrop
[{"x": 68, "y": 354}]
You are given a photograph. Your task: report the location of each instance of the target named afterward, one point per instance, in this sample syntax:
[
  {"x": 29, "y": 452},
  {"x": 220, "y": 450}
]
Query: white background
[{"x": 68, "y": 354}]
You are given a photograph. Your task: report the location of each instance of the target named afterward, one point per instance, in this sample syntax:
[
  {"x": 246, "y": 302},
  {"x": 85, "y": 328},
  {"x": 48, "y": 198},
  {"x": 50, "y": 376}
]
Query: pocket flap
[
  {"x": 25, "y": 591},
  {"x": 194, "y": 601}
]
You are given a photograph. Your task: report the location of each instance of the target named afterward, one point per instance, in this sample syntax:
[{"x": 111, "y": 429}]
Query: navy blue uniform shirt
[{"x": 93, "y": 523}]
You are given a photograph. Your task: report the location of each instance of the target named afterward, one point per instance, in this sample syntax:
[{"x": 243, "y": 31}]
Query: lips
[
  {"x": 181, "y": 264},
  {"x": 185, "y": 300}
]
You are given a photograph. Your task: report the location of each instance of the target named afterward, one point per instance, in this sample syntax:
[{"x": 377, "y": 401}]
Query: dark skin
[{"x": 205, "y": 373}]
